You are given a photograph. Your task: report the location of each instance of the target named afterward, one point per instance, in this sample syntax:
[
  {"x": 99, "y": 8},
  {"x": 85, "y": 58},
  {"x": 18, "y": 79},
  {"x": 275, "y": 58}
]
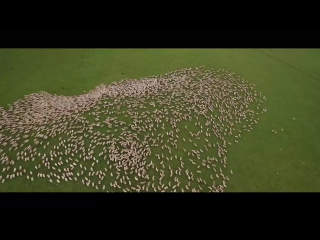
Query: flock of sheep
[{"x": 168, "y": 133}]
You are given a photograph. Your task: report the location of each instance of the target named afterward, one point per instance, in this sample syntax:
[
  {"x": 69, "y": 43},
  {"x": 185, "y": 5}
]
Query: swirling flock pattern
[{"x": 167, "y": 133}]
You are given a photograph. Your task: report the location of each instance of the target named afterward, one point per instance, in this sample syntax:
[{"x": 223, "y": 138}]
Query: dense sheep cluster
[{"x": 162, "y": 133}]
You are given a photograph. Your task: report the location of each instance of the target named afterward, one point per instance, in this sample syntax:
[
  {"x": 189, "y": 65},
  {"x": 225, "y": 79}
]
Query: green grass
[{"x": 289, "y": 78}]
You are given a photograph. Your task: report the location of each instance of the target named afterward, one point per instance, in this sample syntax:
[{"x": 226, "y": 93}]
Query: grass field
[{"x": 262, "y": 161}]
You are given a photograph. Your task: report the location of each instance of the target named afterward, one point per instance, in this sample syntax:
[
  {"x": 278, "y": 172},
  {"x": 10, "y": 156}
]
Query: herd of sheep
[{"x": 167, "y": 133}]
